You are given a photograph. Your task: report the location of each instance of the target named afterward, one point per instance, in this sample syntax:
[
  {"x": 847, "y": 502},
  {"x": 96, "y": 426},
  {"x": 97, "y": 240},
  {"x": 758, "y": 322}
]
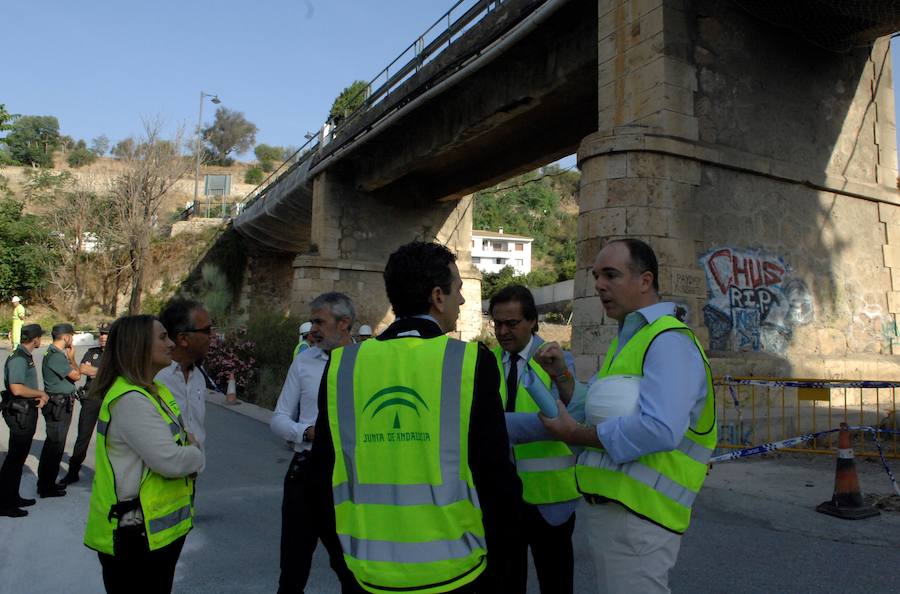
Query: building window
[
  {"x": 476, "y": 260},
  {"x": 520, "y": 247},
  {"x": 500, "y": 261},
  {"x": 519, "y": 263},
  {"x": 498, "y": 246}
]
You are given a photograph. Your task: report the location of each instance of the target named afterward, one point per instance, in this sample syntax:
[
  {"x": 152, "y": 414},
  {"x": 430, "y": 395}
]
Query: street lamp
[{"x": 215, "y": 99}]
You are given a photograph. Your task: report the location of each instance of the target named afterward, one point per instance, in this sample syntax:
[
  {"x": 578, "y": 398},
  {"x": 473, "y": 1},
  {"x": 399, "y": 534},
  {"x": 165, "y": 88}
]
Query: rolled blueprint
[{"x": 540, "y": 393}]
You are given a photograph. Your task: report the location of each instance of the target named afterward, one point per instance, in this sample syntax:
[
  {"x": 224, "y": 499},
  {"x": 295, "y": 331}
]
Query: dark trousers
[
  {"x": 301, "y": 527},
  {"x": 57, "y": 418},
  {"x": 21, "y": 433},
  {"x": 135, "y": 568},
  {"x": 551, "y": 547},
  {"x": 87, "y": 420}
]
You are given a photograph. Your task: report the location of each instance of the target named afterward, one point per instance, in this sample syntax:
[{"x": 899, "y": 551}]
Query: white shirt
[
  {"x": 298, "y": 403},
  {"x": 190, "y": 396}
]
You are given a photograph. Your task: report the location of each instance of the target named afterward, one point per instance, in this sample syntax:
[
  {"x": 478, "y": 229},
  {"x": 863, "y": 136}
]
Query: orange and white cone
[{"x": 847, "y": 501}]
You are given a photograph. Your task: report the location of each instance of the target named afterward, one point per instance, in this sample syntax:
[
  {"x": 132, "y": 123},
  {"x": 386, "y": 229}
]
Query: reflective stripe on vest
[
  {"x": 169, "y": 520},
  {"x": 661, "y": 486},
  {"x": 422, "y": 531},
  {"x": 546, "y": 468}
]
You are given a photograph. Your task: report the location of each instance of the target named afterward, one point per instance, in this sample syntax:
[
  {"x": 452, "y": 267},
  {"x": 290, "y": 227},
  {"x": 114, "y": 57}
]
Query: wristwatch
[{"x": 306, "y": 434}]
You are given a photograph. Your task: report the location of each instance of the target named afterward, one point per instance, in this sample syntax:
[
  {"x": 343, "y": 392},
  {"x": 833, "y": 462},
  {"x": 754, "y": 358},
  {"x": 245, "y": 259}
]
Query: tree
[
  {"x": 81, "y": 155},
  {"x": 124, "y": 149},
  {"x": 151, "y": 169},
  {"x": 33, "y": 139},
  {"x": 100, "y": 145},
  {"x": 348, "y": 101},
  {"x": 73, "y": 209},
  {"x": 26, "y": 263},
  {"x": 229, "y": 133},
  {"x": 269, "y": 155}
]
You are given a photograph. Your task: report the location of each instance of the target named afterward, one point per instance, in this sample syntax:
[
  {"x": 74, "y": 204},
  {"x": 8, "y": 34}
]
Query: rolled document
[{"x": 539, "y": 392}]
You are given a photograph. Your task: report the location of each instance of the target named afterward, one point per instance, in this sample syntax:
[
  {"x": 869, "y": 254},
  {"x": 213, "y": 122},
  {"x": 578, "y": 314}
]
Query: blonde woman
[{"x": 142, "y": 495}]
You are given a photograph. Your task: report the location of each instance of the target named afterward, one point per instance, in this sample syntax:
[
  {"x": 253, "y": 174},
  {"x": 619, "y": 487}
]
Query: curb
[{"x": 257, "y": 413}]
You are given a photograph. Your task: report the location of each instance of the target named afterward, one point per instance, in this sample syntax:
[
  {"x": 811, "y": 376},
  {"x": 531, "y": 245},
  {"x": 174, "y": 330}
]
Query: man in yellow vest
[
  {"x": 547, "y": 468},
  {"x": 18, "y": 318},
  {"x": 411, "y": 446},
  {"x": 642, "y": 468}
]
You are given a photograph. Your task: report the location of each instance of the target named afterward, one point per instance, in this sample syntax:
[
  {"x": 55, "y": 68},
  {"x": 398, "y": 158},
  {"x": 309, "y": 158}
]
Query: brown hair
[{"x": 127, "y": 355}]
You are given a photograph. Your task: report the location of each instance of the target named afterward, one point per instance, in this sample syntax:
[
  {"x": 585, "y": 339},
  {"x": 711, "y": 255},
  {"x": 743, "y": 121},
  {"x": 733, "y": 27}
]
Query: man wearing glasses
[
  {"x": 190, "y": 328},
  {"x": 545, "y": 466}
]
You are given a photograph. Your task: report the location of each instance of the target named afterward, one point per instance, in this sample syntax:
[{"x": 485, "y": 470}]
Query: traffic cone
[{"x": 847, "y": 501}]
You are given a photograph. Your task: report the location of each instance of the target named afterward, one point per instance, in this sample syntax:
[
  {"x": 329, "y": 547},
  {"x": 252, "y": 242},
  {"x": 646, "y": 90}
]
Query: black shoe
[
  {"x": 60, "y": 486},
  {"x": 52, "y": 493},
  {"x": 22, "y": 502},
  {"x": 68, "y": 480},
  {"x": 13, "y": 512}
]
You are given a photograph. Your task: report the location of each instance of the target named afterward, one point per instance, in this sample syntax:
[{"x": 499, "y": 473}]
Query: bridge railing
[{"x": 462, "y": 16}]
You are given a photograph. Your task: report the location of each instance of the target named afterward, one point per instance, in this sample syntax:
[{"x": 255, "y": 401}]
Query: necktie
[{"x": 512, "y": 382}]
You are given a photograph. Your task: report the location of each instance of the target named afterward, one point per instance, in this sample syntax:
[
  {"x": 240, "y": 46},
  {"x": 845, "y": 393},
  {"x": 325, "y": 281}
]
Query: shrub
[
  {"x": 234, "y": 353},
  {"x": 254, "y": 175},
  {"x": 81, "y": 156}
]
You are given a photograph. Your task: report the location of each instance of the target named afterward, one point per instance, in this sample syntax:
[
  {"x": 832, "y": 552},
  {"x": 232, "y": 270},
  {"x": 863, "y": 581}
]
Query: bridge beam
[{"x": 763, "y": 171}]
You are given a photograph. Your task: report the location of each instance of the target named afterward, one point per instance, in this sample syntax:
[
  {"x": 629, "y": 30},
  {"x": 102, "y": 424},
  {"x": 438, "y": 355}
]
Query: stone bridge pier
[
  {"x": 353, "y": 233},
  {"x": 762, "y": 168}
]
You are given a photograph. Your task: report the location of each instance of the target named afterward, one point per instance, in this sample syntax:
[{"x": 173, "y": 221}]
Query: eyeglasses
[
  {"x": 208, "y": 330},
  {"x": 511, "y": 324}
]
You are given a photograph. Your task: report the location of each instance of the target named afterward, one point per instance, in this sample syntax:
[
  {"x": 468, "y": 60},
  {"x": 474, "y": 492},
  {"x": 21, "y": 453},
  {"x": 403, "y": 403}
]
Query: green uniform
[
  {"x": 661, "y": 486},
  {"x": 20, "y": 369},
  {"x": 17, "y": 321},
  {"x": 547, "y": 468},
  {"x": 166, "y": 503},
  {"x": 406, "y": 510},
  {"x": 54, "y": 369}
]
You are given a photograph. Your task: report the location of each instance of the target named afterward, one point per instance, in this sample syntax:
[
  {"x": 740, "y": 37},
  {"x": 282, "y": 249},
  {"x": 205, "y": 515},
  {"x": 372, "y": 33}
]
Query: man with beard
[{"x": 331, "y": 317}]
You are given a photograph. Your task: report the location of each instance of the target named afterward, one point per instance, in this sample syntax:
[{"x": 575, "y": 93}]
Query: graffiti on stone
[{"x": 754, "y": 301}]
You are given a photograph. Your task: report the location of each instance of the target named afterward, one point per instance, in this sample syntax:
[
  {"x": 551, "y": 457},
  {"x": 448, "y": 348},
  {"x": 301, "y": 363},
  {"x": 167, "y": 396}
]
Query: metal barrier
[{"x": 753, "y": 410}]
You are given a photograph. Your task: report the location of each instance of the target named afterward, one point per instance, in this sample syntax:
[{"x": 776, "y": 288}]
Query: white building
[{"x": 491, "y": 251}]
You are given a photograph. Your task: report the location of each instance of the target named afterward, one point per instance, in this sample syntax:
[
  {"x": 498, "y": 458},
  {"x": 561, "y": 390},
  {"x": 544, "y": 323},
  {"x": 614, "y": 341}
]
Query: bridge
[{"x": 753, "y": 144}]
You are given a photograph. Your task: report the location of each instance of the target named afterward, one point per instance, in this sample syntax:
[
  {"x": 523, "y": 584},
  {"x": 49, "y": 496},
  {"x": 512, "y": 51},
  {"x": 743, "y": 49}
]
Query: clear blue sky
[{"x": 101, "y": 65}]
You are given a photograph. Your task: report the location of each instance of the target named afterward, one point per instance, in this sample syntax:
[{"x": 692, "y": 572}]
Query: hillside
[{"x": 105, "y": 169}]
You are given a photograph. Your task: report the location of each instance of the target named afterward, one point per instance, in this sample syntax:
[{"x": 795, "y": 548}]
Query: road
[{"x": 754, "y": 529}]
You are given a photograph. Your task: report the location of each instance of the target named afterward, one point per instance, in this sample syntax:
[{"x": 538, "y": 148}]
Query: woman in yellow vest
[{"x": 142, "y": 496}]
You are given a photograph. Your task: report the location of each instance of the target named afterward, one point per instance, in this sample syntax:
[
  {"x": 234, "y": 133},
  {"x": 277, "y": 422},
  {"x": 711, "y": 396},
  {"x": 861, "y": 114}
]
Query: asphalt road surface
[{"x": 754, "y": 529}]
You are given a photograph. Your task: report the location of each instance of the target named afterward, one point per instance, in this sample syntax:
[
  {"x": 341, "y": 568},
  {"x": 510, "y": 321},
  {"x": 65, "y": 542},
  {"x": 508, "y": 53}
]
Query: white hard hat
[
  {"x": 365, "y": 330},
  {"x": 15, "y": 299},
  {"x": 305, "y": 327}
]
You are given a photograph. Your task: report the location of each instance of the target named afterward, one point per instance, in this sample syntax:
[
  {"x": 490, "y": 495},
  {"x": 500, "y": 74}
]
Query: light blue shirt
[
  {"x": 527, "y": 427},
  {"x": 672, "y": 392}
]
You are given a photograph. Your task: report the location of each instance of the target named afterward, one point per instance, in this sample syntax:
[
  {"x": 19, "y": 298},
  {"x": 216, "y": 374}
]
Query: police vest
[
  {"x": 547, "y": 468},
  {"x": 406, "y": 510},
  {"x": 661, "y": 486},
  {"x": 166, "y": 503}
]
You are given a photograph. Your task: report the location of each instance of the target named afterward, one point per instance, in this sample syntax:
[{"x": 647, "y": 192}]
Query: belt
[
  {"x": 58, "y": 396},
  {"x": 596, "y": 499}
]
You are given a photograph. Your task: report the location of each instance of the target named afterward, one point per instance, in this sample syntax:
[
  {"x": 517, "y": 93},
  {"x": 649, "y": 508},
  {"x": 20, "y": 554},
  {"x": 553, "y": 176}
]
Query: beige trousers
[{"x": 631, "y": 555}]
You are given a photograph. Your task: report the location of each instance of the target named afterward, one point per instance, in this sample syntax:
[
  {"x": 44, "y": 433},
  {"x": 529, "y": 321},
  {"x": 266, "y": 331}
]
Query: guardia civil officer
[
  {"x": 60, "y": 373},
  {"x": 21, "y": 401},
  {"x": 90, "y": 406},
  {"x": 411, "y": 445}
]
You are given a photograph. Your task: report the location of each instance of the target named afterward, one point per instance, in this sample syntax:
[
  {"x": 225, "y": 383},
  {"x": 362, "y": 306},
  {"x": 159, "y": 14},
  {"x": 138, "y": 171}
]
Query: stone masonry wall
[{"x": 762, "y": 171}]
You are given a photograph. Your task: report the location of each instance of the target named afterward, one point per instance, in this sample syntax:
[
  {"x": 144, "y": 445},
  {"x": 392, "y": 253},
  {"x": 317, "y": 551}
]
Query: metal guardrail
[
  {"x": 754, "y": 410},
  {"x": 438, "y": 37}
]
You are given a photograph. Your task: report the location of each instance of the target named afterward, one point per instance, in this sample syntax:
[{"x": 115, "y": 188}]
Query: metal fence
[{"x": 754, "y": 410}]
